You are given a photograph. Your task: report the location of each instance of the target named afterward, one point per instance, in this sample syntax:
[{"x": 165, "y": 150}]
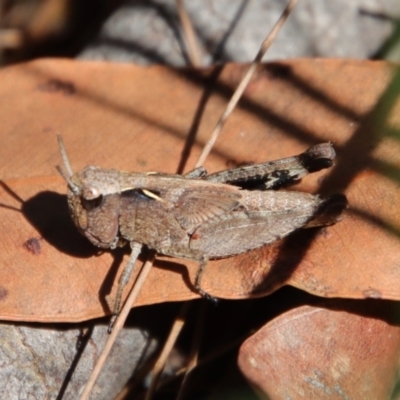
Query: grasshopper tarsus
[
  {"x": 196, "y": 173},
  {"x": 197, "y": 281},
  {"x": 111, "y": 323},
  {"x": 208, "y": 297}
]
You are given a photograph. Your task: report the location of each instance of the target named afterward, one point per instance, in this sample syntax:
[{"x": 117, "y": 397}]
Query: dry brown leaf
[
  {"x": 144, "y": 119},
  {"x": 348, "y": 350}
]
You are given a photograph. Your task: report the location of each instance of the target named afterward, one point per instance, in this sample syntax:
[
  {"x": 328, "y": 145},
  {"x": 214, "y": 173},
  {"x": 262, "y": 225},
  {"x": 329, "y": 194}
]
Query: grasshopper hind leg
[{"x": 278, "y": 173}]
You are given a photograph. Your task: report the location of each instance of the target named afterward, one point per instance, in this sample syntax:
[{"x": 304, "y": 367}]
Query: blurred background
[{"x": 149, "y": 31}]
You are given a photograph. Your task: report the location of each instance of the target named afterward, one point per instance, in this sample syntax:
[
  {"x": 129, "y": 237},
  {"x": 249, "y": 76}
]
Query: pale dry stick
[
  {"x": 243, "y": 84},
  {"x": 189, "y": 36},
  {"x": 119, "y": 323},
  {"x": 169, "y": 344}
]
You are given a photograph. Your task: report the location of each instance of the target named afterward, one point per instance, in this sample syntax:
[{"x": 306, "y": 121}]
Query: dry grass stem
[
  {"x": 244, "y": 82},
  {"x": 169, "y": 344},
  {"x": 189, "y": 35}
]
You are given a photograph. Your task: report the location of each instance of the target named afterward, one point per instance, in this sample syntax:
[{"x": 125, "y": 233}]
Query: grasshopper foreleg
[{"x": 123, "y": 280}]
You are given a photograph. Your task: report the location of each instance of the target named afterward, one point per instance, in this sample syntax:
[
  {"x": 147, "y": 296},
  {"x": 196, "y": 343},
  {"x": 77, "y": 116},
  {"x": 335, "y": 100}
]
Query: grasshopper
[{"x": 197, "y": 216}]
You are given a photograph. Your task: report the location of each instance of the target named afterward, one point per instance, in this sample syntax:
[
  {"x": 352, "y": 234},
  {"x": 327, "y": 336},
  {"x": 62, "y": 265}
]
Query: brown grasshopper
[{"x": 197, "y": 216}]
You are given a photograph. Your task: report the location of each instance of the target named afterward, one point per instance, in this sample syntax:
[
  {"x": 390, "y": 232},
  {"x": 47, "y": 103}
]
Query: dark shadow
[
  {"x": 392, "y": 41},
  {"x": 384, "y": 310},
  {"x": 387, "y": 169},
  {"x": 291, "y": 251},
  {"x": 376, "y": 15},
  {"x": 208, "y": 84},
  {"x": 82, "y": 342},
  {"x": 176, "y": 268},
  {"x": 169, "y": 14},
  {"x": 49, "y": 215},
  {"x": 284, "y": 72},
  {"x": 219, "y": 54}
]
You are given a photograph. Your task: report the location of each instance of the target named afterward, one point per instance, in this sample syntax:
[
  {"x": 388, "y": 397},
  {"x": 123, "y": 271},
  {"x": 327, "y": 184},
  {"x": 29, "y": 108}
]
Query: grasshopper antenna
[{"x": 75, "y": 189}]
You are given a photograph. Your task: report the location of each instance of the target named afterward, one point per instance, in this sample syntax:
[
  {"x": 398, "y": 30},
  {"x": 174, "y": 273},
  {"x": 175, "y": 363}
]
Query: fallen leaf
[
  {"x": 340, "y": 350},
  {"x": 157, "y": 119}
]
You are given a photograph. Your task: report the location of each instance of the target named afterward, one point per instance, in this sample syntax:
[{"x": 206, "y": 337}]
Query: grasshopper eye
[
  {"x": 92, "y": 204},
  {"x": 90, "y": 193}
]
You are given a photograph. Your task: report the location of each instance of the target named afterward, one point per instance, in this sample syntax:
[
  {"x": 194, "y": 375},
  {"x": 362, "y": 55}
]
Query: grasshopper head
[{"x": 94, "y": 211}]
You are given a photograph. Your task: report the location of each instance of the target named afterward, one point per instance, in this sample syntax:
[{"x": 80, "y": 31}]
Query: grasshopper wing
[
  {"x": 281, "y": 214},
  {"x": 198, "y": 205}
]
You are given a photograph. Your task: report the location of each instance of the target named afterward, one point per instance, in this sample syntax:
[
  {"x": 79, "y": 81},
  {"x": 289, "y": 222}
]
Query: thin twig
[
  {"x": 119, "y": 323},
  {"x": 169, "y": 344},
  {"x": 207, "y": 359},
  {"x": 189, "y": 35},
  {"x": 243, "y": 84}
]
